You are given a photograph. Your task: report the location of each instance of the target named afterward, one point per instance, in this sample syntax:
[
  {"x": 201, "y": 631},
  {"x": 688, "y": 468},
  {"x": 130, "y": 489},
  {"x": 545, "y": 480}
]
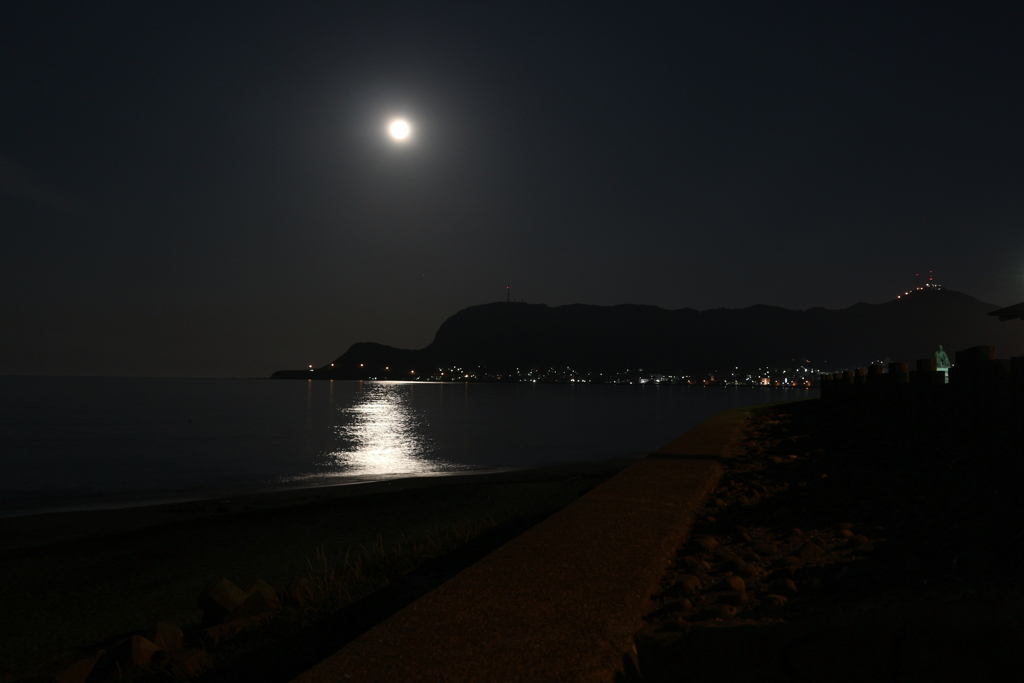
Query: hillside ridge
[{"x": 502, "y": 337}]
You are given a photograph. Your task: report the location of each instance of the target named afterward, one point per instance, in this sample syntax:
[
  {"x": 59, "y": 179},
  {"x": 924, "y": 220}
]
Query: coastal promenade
[{"x": 562, "y": 601}]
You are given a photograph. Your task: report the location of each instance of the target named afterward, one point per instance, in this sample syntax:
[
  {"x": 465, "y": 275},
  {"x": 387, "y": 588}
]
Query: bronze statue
[{"x": 941, "y": 359}]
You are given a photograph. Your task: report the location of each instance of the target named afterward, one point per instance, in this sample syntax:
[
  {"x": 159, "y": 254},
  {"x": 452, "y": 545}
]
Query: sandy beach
[{"x": 74, "y": 580}]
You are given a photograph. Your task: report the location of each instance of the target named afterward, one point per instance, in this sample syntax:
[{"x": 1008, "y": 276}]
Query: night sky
[{"x": 208, "y": 189}]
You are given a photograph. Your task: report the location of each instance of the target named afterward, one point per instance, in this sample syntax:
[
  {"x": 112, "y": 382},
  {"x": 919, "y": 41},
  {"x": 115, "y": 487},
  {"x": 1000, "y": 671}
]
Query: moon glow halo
[{"x": 399, "y": 130}]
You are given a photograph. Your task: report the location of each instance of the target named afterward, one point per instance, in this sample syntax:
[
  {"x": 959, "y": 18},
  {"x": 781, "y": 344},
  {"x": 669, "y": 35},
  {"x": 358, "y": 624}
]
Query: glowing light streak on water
[{"x": 382, "y": 435}]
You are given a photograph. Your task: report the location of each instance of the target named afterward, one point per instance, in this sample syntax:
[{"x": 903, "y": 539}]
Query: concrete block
[
  {"x": 256, "y": 604},
  {"x": 265, "y": 590},
  {"x": 143, "y": 650},
  {"x": 191, "y": 663},
  {"x": 168, "y": 636},
  {"x": 218, "y": 599},
  {"x": 79, "y": 671}
]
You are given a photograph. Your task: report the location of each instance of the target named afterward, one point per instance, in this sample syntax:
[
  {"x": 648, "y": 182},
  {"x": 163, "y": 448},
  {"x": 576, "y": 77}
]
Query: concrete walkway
[{"x": 562, "y": 601}]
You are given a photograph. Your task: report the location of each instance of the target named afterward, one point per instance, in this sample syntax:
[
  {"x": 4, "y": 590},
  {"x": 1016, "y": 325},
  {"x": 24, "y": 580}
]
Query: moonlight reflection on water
[{"x": 383, "y": 434}]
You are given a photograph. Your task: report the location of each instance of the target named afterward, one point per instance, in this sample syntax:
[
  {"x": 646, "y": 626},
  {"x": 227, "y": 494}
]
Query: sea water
[{"x": 73, "y": 441}]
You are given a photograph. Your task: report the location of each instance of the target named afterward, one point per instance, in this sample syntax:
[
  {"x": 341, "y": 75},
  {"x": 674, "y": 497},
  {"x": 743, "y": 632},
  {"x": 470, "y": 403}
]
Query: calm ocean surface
[{"x": 74, "y": 442}]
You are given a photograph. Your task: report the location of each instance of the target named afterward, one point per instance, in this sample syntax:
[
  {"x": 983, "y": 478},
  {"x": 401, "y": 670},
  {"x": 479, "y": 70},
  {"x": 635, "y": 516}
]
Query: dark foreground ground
[
  {"x": 874, "y": 538},
  {"x": 72, "y": 584},
  {"x": 871, "y": 538}
]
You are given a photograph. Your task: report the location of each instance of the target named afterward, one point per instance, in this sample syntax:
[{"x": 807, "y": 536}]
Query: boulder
[
  {"x": 731, "y": 564},
  {"x": 735, "y": 598},
  {"x": 861, "y": 544},
  {"x": 733, "y": 590},
  {"x": 688, "y": 584},
  {"x": 705, "y": 543},
  {"x": 783, "y": 587},
  {"x": 717, "y": 612},
  {"x": 745, "y": 571},
  {"x": 729, "y": 583},
  {"x": 690, "y": 563},
  {"x": 809, "y": 551},
  {"x": 681, "y": 605}
]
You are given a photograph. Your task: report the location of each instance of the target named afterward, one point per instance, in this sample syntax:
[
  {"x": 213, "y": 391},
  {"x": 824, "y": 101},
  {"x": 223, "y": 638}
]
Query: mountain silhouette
[{"x": 501, "y": 337}]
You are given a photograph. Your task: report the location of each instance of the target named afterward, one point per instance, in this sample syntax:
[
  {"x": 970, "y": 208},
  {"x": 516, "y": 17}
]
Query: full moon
[{"x": 399, "y": 129}]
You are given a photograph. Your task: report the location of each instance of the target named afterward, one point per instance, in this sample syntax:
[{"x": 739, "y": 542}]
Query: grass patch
[{"x": 337, "y": 579}]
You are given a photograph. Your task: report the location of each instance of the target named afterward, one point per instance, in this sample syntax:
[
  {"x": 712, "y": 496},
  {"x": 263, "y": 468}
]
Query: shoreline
[
  {"x": 127, "y": 501},
  {"x": 43, "y": 526}
]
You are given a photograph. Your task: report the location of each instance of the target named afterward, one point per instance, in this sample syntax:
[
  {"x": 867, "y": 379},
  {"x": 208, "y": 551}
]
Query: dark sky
[{"x": 206, "y": 189}]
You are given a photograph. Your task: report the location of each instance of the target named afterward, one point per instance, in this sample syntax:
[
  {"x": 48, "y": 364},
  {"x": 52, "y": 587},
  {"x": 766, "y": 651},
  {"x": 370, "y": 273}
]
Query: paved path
[{"x": 562, "y": 601}]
